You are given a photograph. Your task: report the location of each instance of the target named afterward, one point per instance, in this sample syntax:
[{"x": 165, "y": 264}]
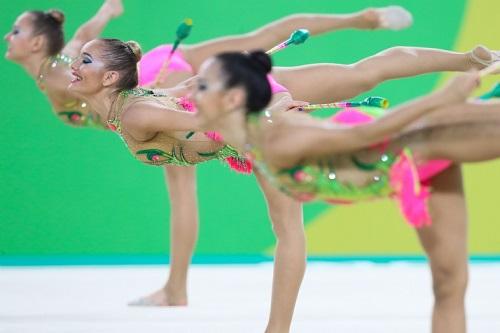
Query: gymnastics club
[
  {"x": 374, "y": 101},
  {"x": 297, "y": 37},
  {"x": 183, "y": 31},
  {"x": 493, "y": 93},
  {"x": 491, "y": 69}
]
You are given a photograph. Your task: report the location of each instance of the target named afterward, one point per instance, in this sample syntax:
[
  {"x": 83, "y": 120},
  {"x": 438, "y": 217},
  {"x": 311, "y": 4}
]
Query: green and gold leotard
[
  {"x": 69, "y": 109},
  {"x": 371, "y": 173},
  {"x": 176, "y": 148},
  {"x": 342, "y": 178}
]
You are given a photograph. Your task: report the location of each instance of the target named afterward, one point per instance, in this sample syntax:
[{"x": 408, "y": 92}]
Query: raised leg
[
  {"x": 461, "y": 133},
  {"x": 323, "y": 83},
  {"x": 277, "y": 31}
]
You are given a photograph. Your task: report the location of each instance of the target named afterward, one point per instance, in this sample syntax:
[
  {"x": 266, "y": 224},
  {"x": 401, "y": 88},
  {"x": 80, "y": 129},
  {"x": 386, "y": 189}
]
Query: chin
[
  {"x": 11, "y": 57},
  {"x": 8, "y": 56},
  {"x": 74, "y": 89}
]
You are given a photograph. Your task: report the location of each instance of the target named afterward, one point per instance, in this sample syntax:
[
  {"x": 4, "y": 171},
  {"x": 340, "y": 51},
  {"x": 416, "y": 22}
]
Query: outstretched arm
[
  {"x": 93, "y": 27},
  {"x": 182, "y": 89},
  {"x": 144, "y": 121},
  {"x": 311, "y": 142}
]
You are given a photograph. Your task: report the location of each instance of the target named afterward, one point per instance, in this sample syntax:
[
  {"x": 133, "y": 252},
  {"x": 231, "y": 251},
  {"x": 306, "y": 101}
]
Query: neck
[
  {"x": 232, "y": 126},
  {"x": 33, "y": 63},
  {"x": 101, "y": 102}
]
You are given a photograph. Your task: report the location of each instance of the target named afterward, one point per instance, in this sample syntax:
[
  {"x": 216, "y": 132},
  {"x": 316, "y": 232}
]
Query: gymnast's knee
[
  {"x": 449, "y": 282},
  {"x": 286, "y": 219}
]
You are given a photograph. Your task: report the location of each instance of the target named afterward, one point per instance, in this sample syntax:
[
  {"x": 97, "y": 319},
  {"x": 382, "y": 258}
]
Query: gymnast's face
[
  {"x": 21, "y": 42},
  {"x": 89, "y": 71},
  {"x": 212, "y": 99}
]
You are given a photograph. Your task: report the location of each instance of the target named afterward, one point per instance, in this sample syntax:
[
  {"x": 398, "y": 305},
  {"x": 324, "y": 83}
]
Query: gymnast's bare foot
[
  {"x": 114, "y": 7},
  {"x": 162, "y": 297},
  {"x": 391, "y": 18}
]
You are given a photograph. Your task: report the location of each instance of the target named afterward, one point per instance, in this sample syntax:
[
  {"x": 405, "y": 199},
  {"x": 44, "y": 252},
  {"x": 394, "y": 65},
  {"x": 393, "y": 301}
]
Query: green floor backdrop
[{"x": 77, "y": 193}]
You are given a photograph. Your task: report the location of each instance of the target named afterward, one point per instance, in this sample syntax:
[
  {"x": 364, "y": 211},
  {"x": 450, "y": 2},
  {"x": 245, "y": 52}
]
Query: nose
[
  {"x": 191, "y": 90},
  {"x": 74, "y": 65},
  {"x": 7, "y": 37}
]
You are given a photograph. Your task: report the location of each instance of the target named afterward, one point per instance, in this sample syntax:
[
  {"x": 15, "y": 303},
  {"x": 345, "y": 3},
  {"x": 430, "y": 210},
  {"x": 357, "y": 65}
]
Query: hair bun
[
  {"x": 262, "y": 60},
  {"x": 136, "y": 49},
  {"x": 57, "y": 15}
]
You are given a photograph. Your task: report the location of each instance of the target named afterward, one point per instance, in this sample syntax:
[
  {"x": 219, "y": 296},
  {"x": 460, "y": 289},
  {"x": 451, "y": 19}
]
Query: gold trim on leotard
[{"x": 178, "y": 148}]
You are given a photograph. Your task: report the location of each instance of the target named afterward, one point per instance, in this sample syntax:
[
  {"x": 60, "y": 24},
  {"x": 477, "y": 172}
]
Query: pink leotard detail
[{"x": 275, "y": 86}]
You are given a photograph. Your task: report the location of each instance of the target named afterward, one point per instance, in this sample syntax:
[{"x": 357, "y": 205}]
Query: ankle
[
  {"x": 479, "y": 57},
  {"x": 178, "y": 290},
  {"x": 277, "y": 328},
  {"x": 369, "y": 19}
]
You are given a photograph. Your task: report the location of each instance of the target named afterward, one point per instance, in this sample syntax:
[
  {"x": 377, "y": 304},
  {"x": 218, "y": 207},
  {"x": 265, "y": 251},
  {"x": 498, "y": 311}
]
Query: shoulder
[{"x": 136, "y": 120}]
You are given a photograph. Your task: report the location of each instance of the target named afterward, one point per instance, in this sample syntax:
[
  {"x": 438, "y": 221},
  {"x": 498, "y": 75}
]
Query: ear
[
  {"x": 110, "y": 78},
  {"x": 234, "y": 98},
  {"x": 37, "y": 43}
]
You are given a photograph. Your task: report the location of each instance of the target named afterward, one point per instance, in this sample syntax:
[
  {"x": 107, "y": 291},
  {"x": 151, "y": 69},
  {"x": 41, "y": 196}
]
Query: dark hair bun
[
  {"x": 262, "y": 60},
  {"x": 249, "y": 72},
  {"x": 57, "y": 15},
  {"x": 136, "y": 49}
]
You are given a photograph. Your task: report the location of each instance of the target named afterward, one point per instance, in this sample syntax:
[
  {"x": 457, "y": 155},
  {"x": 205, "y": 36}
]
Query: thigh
[
  {"x": 462, "y": 133},
  {"x": 322, "y": 83},
  {"x": 181, "y": 184},
  {"x": 445, "y": 241},
  {"x": 284, "y": 211}
]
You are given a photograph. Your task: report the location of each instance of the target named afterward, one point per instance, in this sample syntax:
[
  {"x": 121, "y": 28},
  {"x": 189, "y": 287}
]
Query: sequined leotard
[
  {"x": 367, "y": 174},
  {"x": 177, "y": 148},
  {"x": 322, "y": 179},
  {"x": 70, "y": 110}
]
